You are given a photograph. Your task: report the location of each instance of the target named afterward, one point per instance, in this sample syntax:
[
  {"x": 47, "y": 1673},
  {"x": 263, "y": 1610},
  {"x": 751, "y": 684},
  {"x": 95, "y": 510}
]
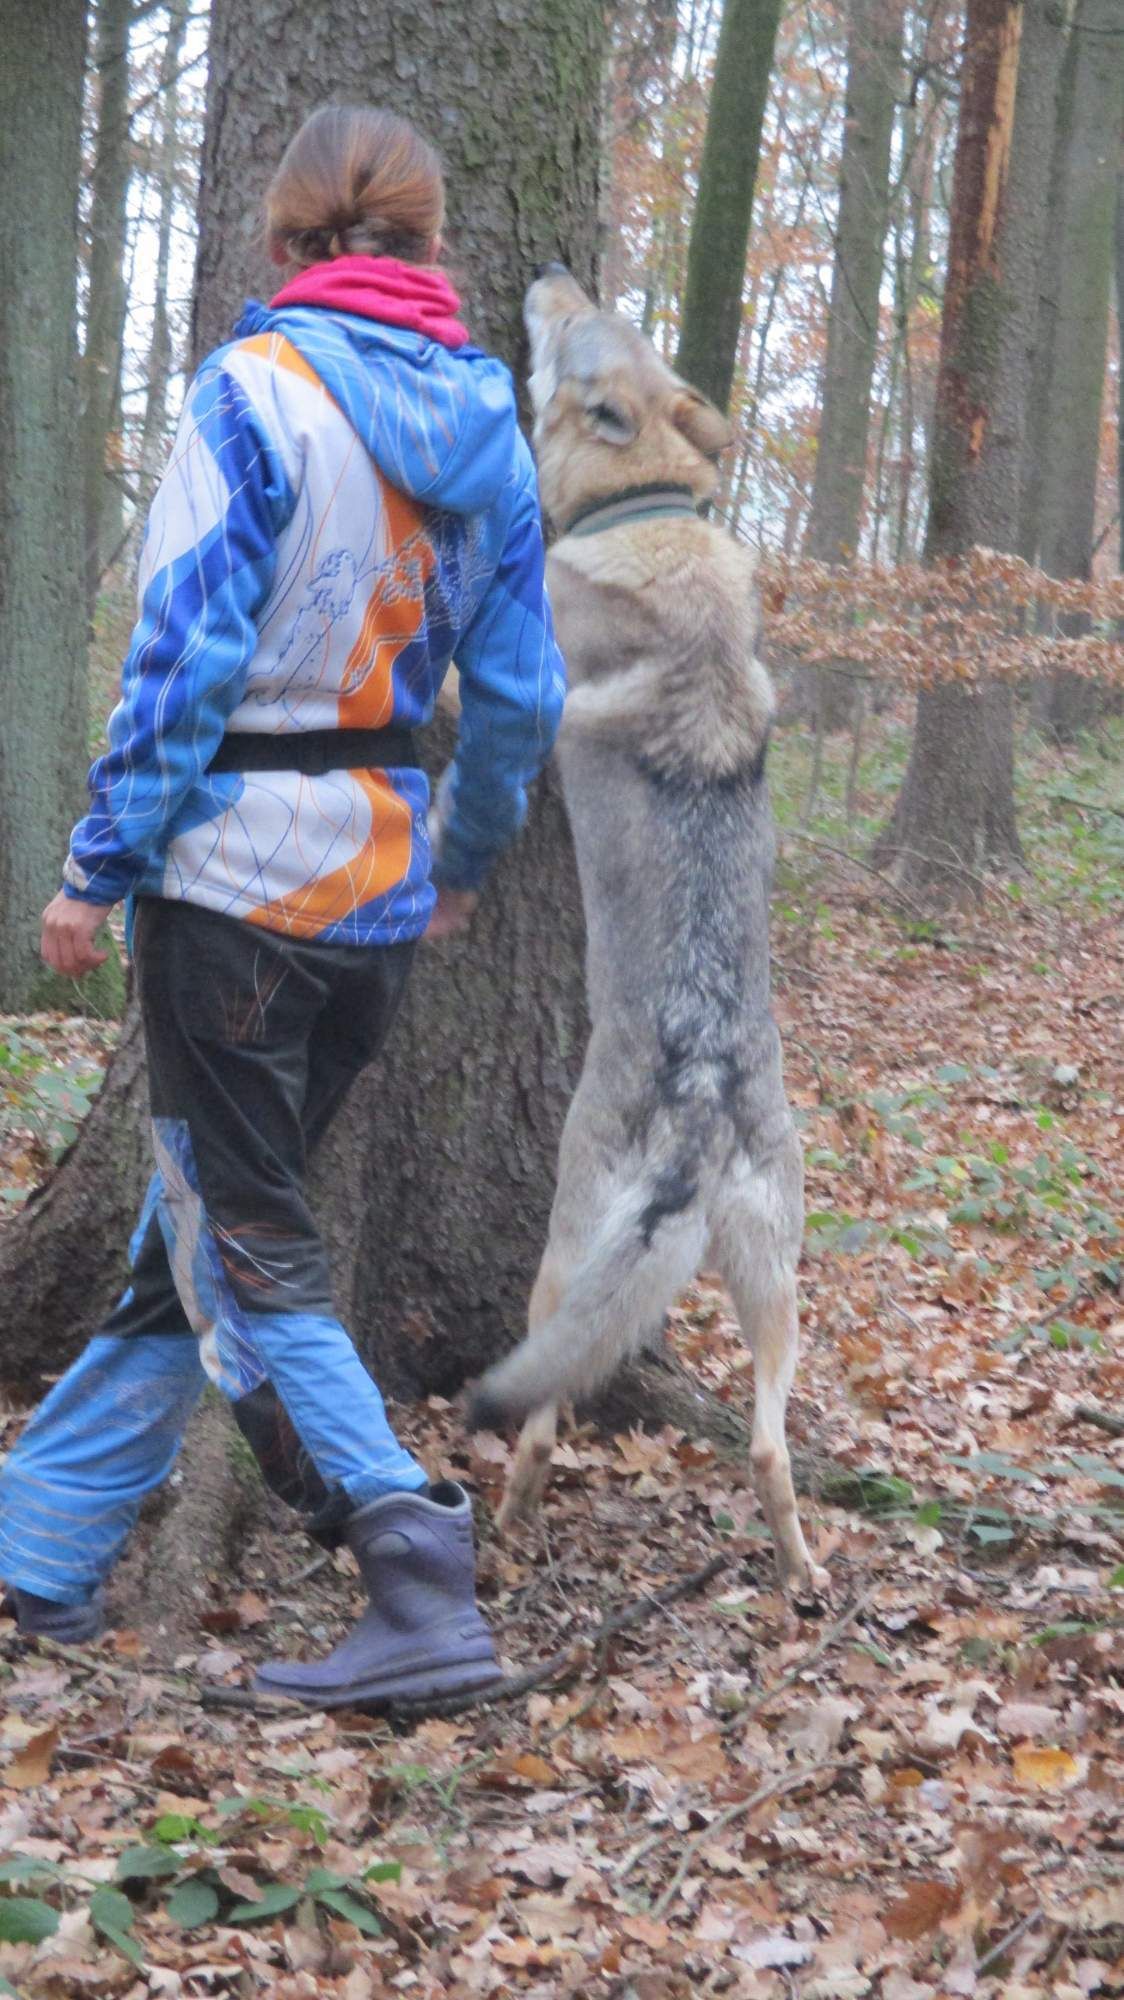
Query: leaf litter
[{"x": 916, "y": 1793}]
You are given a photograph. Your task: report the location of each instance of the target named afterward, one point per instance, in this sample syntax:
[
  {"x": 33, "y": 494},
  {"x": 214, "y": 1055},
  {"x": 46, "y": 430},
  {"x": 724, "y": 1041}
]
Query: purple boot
[
  {"x": 67, "y": 1624},
  {"x": 421, "y": 1634}
]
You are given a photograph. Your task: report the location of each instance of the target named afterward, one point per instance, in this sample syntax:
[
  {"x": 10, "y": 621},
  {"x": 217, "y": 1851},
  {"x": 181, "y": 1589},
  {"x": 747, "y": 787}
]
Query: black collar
[{"x": 631, "y": 503}]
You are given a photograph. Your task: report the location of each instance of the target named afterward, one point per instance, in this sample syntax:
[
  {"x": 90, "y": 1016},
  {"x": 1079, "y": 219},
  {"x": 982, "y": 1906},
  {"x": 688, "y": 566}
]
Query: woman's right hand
[
  {"x": 452, "y": 912},
  {"x": 69, "y": 928}
]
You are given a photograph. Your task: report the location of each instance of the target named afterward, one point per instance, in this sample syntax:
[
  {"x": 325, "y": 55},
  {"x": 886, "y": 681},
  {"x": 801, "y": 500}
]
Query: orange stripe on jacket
[{"x": 381, "y": 863}]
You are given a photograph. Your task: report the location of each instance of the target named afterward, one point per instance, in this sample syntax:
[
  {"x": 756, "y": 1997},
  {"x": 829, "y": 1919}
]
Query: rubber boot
[
  {"x": 67, "y": 1624},
  {"x": 422, "y": 1634}
]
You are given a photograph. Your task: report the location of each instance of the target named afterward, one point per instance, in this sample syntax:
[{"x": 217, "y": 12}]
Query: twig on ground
[
  {"x": 1103, "y": 1420},
  {"x": 892, "y": 888},
  {"x": 788, "y": 1781},
  {"x": 826, "y": 1639},
  {"x": 1025, "y": 1924},
  {"x": 306, "y": 1574}
]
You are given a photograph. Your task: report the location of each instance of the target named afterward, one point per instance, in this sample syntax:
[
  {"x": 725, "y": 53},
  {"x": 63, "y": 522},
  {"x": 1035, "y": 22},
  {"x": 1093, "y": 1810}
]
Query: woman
[{"x": 349, "y": 504}]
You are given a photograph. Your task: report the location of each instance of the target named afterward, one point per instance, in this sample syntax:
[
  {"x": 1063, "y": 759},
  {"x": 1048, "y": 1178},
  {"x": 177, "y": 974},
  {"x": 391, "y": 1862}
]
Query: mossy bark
[
  {"x": 955, "y": 814},
  {"x": 1085, "y": 240},
  {"x": 712, "y": 306},
  {"x": 43, "y": 726},
  {"x": 106, "y": 299}
]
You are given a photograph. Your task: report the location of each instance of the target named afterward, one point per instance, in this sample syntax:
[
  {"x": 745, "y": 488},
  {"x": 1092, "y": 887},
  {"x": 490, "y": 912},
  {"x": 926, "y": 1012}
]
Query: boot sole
[{"x": 413, "y": 1684}]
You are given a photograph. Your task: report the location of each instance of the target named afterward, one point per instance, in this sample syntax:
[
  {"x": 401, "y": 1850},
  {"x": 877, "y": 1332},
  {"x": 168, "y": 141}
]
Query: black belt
[{"x": 314, "y": 751}]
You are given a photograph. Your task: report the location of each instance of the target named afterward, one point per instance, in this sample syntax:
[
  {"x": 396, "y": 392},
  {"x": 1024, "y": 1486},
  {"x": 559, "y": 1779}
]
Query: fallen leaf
[
  {"x": 1044, "y": 1768},
  {"x": 924, "y": 1905},
  {"x": 31, "y": 1766}
]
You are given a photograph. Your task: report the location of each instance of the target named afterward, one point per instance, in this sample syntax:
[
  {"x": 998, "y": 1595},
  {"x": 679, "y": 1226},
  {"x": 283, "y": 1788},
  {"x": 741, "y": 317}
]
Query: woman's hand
[
  {"x": 67, "y": 942},
  {"x": 452, "y": 912}
]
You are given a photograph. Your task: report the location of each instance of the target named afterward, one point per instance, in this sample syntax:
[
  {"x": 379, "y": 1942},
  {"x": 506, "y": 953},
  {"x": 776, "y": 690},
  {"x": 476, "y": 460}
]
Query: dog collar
[{"x": 632, "y": 503}]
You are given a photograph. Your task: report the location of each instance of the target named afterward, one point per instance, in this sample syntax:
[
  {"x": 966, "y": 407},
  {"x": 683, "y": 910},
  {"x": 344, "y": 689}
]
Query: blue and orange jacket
[{"x": 348, "y": 508}]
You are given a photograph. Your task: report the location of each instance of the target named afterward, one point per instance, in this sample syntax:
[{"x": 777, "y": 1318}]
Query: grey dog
[{"x": 679, "y": 1146}]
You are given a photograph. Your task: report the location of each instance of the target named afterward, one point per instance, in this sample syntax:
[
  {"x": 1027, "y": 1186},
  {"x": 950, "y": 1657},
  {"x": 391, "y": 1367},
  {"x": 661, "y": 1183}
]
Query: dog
[{"x": 679, "y": 1146}]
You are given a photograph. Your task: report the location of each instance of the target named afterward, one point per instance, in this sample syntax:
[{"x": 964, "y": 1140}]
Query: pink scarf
[{"x": 418, "y": 296}]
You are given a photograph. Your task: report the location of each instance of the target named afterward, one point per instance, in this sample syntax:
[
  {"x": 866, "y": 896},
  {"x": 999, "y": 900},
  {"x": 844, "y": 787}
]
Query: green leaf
[
  {"x": 111, "y": 1913},
  {"x": 346, "y": 1906},
  {"x": 275, "y": 1898},
  {"x": 193, "y": 1903},
  {"x": 383, "y": 1871},
  {"x": 27, "y": 1868},
  {"x": 26, "y": 1920},
  {"x": 1116, "y": 1580},
  {"x": 986, "y": 1534},
  {"x": 928, "y": 1515},
  {"x": 173, "y": 1827},
  {"x": 141, "y": 1864},
  {"x": 953, "y": 1073},
  {"x": 323, "y": 1878},
  {"x": 5, "y": 1987},
  {"x": 1098, "y": 1469}
]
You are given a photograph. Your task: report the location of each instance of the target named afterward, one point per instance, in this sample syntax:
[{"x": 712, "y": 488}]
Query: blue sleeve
[
  {"x": 512, "y": 686},
  {"x": 206, "y": 569}
]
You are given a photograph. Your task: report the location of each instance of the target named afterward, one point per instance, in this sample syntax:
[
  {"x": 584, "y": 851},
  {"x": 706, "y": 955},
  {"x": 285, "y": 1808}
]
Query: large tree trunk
[
  {"x": 436, "y": 1184},
  {"x": 1120, "y": 345},
  {"x": 955, "y": 813},
  {"x": 107, "y": 292},
  {"x": 712, "y": 306},
  {"x": 42, "y": 621},
  {"x": 1071, "y": 452},
  {"x": 874, "y": 60}
]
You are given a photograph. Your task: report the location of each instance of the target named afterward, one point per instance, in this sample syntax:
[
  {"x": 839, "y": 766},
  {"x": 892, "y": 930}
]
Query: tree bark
[
  {"x": 955, "y": 814},
  {"x": 107, "y": 292},
  {"x": 1071, "y": 455},
  {"x": 712, "y": 306},
  {"x": 874, "y": 60},
  {"x": 1120, "y": 345},
  {"x": 42, "y": 620},
  {"x": 435, "y": 1185},
  {"x": 159, "y": 369}
]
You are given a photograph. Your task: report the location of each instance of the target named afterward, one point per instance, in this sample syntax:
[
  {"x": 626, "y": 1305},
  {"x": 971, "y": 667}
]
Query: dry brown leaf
[
  {"x": 924, "y": 1905},
  {"x": 1044, "y": 1768},
  {"x": 31, "y": 1766}
]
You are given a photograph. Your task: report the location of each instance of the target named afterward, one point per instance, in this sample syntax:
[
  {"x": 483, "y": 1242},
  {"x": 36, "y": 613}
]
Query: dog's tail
[{"x": 648, "y": 1248}]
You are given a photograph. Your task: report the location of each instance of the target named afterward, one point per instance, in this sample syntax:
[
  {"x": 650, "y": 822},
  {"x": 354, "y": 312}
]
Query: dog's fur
[{"x": 679, "y": 1146}]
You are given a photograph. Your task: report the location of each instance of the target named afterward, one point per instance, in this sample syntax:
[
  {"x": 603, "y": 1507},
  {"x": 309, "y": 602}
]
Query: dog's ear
[
  {"x": 701, "y": 423},
  {"x": 612, "y": 419}
]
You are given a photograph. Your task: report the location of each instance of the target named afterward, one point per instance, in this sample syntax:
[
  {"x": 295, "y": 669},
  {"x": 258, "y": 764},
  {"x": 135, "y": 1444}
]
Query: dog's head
[{"x": 609, "y": 414}]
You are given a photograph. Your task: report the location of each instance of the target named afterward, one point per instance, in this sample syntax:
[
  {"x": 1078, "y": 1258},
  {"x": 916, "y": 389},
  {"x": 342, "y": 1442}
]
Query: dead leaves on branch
[{"x": 984, "y": 616}]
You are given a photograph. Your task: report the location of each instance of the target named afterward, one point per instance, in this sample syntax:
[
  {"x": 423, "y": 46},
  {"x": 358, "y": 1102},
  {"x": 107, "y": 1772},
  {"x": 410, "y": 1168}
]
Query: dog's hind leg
[
  {"x": 529, "y": 1474},
  {"x": 755, "y": 1244}
]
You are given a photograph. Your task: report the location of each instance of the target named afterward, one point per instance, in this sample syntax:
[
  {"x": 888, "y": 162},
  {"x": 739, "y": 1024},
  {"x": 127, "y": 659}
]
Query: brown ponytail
[{"x": 355, "y": 182}]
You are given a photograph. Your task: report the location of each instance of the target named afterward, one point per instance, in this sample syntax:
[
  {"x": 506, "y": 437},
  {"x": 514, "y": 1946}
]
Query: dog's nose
[{"x": 553, "y": 269}]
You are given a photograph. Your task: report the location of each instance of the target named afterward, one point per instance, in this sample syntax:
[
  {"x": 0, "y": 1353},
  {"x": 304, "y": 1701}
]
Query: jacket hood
[{"x": 440, "y": 422}]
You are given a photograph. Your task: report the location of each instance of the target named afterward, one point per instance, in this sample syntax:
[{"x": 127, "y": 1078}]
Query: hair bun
[{"x": 356, "y": 182}]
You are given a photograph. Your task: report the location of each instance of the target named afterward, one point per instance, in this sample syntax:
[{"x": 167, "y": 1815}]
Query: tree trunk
[
  {"x": 106, "y": 297},
  {"x": 874, "y": 58},
  {"x": 716, "y": 254},
  {"x": 1071, "y": 453},
  {"x": 1120, "y": 348},
  {"x": 159, "y": 370},
  {"x": 436, "y": 1183},
  {"x": 42, "y": 622},
  {"x": 955, "y": 813},
  {"x": 874, "y": 53}
]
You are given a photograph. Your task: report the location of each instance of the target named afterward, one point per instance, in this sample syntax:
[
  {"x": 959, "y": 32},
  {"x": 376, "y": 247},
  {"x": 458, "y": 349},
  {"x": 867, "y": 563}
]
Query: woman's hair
[{"x": 355, "y": 182}]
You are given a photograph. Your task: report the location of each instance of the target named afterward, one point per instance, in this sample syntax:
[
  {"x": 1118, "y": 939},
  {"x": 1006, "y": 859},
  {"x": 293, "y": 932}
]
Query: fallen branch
[
  {"x": 568, "y": 1659},
  {"x": 1104, "y": 1420},
  {"x": 997, "y": 1951},
  {"x": 916, "y": 910},
  {"x": 789, "y": 1781}
]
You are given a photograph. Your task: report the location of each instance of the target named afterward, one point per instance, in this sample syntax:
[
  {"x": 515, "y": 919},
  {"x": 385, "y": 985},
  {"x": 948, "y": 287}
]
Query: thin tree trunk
[
  {"x": 159, "y": 370},
  {"x": 716, "y": 255},
  {"x": 874, "y": 51},
  {"x": 949, "y": 819},
  {"x": 1120, "y": 352},
  {"x": 42, "y": 621},
  {"x": 436, "y": 1183},
  {"x": 1072, "y": 445},
  {"x": 106, "y": 296}
]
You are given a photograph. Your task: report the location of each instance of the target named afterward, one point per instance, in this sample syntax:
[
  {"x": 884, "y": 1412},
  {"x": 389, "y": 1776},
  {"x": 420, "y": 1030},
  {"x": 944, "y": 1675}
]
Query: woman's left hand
[{"x": 67, "y": 941}]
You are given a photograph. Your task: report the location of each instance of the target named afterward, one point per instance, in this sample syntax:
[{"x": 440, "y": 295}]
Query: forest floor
[{"x": 917, "y": 1792}]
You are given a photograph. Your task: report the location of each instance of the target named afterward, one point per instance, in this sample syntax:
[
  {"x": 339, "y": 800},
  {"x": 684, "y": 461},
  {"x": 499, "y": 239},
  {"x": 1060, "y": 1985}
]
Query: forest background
[{"x": 889, "y": 237}]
